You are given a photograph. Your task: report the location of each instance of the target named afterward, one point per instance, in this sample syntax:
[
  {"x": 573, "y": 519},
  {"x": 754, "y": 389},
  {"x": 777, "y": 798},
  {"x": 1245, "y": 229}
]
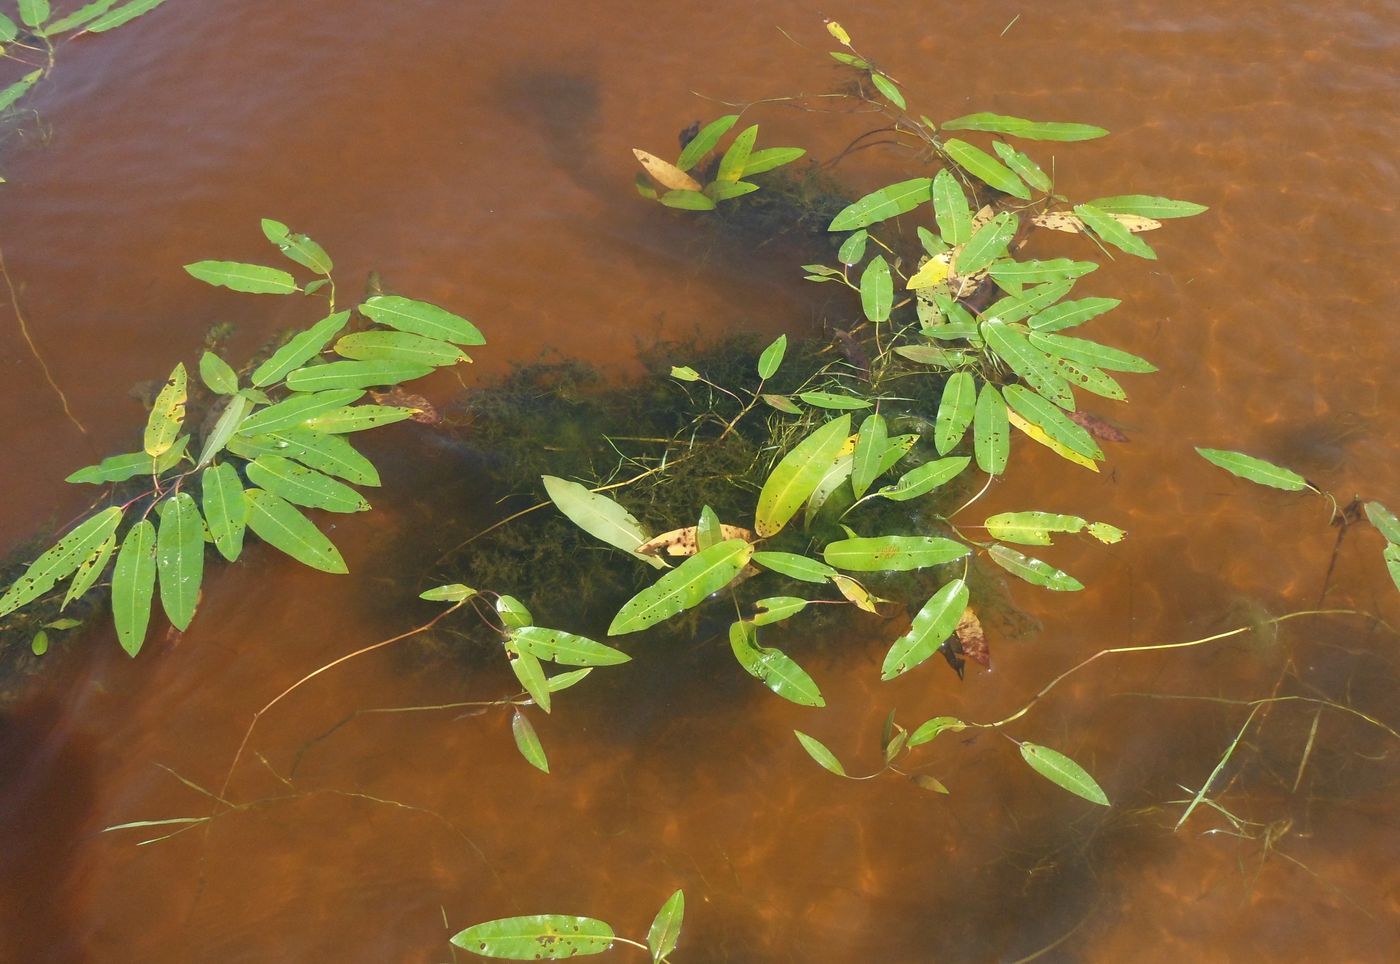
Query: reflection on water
[{"x": 478, "y": 155}]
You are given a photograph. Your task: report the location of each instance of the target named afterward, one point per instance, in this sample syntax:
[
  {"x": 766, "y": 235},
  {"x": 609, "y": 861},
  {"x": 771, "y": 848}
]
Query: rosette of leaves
[{"x": 276, "y": 447}]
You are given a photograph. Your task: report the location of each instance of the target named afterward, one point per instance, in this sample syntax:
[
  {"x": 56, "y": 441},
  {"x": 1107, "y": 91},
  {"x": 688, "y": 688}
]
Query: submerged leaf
[
  {"x": 599, "y": 516},
  {"x": 818, "y": 751},
  {"x": 528, "y": 743},
  {"x": 1255, "y": 470},
  {"x": 704, "y": 142},
  {"x": 1063, "y": 772}
]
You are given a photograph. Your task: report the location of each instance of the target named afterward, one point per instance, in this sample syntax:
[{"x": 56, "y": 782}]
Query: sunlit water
[{"x": 477, "y": 155}]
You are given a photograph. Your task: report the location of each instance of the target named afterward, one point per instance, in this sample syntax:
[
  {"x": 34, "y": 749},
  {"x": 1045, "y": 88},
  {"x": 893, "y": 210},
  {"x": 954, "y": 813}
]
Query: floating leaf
[
  {"x": 89, "y": 571},
  {"x": 249, "y": 278},
  {"x": 454, "y": 592},
  {"x": 871, "y": 446},
  {"x": 33, "y": 12},
  {"x": 1105, "y": 533},
  {"x": 1038, "y": 434},
  {"x": 887, "y": 87},
  {"x": 1020, "y": 127},
  {"x": 933, "y": 624},
  {"x": 665, "y": 928},
  {"x": 855, "y": 593},
  {"x": 955, "y": 410},
  {"x": 1112, "y": 232},
  {"x": 567, "y": 649},
  {"x": 790, "y": 564},
  {"x": 167, "y": 414},
  {"x": 925, "y": 478},
  {"x": 852, "y": 250},
  {"x": 684, "y": 587},
  {"x": 528, "y": 671},
  {"x": 1147, "y": 206},
  {"x": 991, "y": 432},
  {"x": 881, "y": 205},
  {"x": 62, "y": 560},
  {"x": 1090, "y": 379},
  {"x": 564, "y": 680},
  {"x": 777, "y": 608},
  {"x": 133, "y": 585},
  {"x": 224, "y": 509},
  {"x": 296, "y": 410},
  {"x": 19, "y": 88},
  {"x": 1031, "y": 528},
  {"x": 599, "y": 516},
  {"x": 421, "y": 318},
  {"x": 9, "y": 30},
  {"x": 932, "y": 272},
  {"x": 399, "y": 346},
  {"x": 986, "y": 244},
  {"x": 772, "y": 358},
  {"x": 540, "y": 937},
  {"x": 528, "y": 743},
  {"x": 704, "y": 142},
  {"x": 1255, "y": 470},
  {"x": 1391, "y": 554},
  {"x": 1033, "y": 570},
  {"x": 1086, "y": 352},
  {"x": 217, "y": 375},
  {"x": 229, "y": 421},
  {"x": 1029, "y": 362},
  {"x": 794, "y": 478},
  {"x": 1384, "y": 520},
  {"x": 1068, "y": 314},
  {"x": 1052, "y": 421},
  {"x": 876, "y": 290},
  {"x": 325, "y": 453},
  {"x": 709, "y": 531},
  {"x": 1019, "y": 273},
  {"x": 665, "y": 173},
  {"x": 836, "y": 475},
  {"x": 303, "y": 486},
  {"x": 818, "y": 751},
  {"x": 119, "y": 468},
  {"x": 892, "y": 553},
  {"x": 950, "y": 209},
  {"x": 1029, "y": 302},
  {"x": 300, "y": 349},
  {"x": 830, "y": 400},
  {"x": 1025, "y": 168},
  {"x": 354, "y": 374},
  {"x": 297, "y": 247},
  {"x": 357, "y": 418},
  {"x": 1063, "y": 772},
  {"x": 687, "y": 201},
  {"x": 731, "y": 165},
  {"x": 772, "y": 667},
  {"x": 514, "y": 613},
  {"x": 930, "y": 729},
  {"x": 986, "y": 168},
  {"x": 281, "y": 526},
  {"x": 123, "y": 14},
  {"x": 180, "y": 558}
]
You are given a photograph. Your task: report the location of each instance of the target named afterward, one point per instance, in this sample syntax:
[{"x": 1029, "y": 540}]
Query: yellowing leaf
[
  {"x": 665, "y": 173},
  {"x": 929, "y": 274},
  {"x": 839, "y": 32},
  {"x": 1035, "y": 432}
]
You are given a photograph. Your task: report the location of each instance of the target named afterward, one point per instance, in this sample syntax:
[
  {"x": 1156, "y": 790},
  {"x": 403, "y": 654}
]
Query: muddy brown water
[{"x": 478, "y": 155}]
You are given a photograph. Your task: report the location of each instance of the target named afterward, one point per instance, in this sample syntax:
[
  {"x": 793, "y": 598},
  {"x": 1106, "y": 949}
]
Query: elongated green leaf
[
  {"x": 514, "y": 614},
  {"x": 1068, "y": 314},
  {"x": 1020, "y": 127},
  {"x": 133, "y": 585},
  {"x": 1391, "y": 554},
  {"x": 933, "y": 624},
  {"x": 877, "y": 289},
  {"x": 325, "y": 453},
  {"x": 1148, "y": 206},
  {"x": 528, "y": 743},
  {"x": 665, "y": 928},
  {"x": 119, "y": 468},
  {"x": 399, "y": 346},
  {"x": 89, "y": 571},
  {"x": 296, "y": 410},
  {"x": 357, "y": 418},
  {"x": 772, "y": 667},
  {"x": 235, "y": 411},
  {"x": 1112, "y": 232},
  {"x": 782, "y": 404},
  {"x": 1052, "y": 421},
  {"x": 705, "y": 141},
  {"x": 1105, "y": 533},
  {"x": 564, "y": 680},
  {"x": 871, "y": 445},
  {"x": 836, "y": 475},
  {"x": 1025, "y": 168},
  {"x": 300, "y": 485},
  {"x": 1384, "y": 520},
  {"x": 708, "y": 531},
  {"x": 75, "y": 19},
  {"x": 216, "y": 373},
  {"x": 180, "y": 558},
  {"x": 18, "y": 89},
  {"x": 950, "y": 209},
  {"x": 300, "y": 349},
  {"x": 1090, "y": 379},
  {"x": 896, "y": 449},
  {"x": 832, "y": 401},
  {"x": 1029, "y": 302},
  {"x": 1031, "y": 528},
  {"x": 1018, "y": 273},
  {"x": 564, "y": 648},
  {"x": 724, "y": 190},
  {"x": 167, "y": 414},
  {"x": 772, "y": 357},
  {"x": 955, "y": 411},
  {"x": 790, "y": 564},
  {"x": 354, "y": 374},
  {"x": 775, "y": 609},
  {"x": 731, "y": 165},
  {"x": 818, "y": 751},
  {"x": 688, "y": 201},
  {"x": 987, "y": 244},
  {"x": 453, "y": 592},
  {"x": 892, "y": 553},
  {"x": 123, "y": 14},
  {"x": 34, "y": 12},
  {"x": 769, "y": 158},
  {"x": 541, "y": 937},
  {"x": 599, "y": 516},
  {"x": 1027, "y": 361},
  {"x": 252, "y": 279},
  {"x": 881, "y": 205},
  {"x": 929, "y": 729},
  {"x": 991, "y": 432},
  {"x": 528, "y": 671},
  {"x": 297, "y": 247},
  {"x": 281, "y": 526},
  {"x": 1033, "y": 570},
  {"x": 421, "y": 318},
  {"x": 62, "y": 560},
  {"x": 1063, "y": 772},
  {"x": 887, "y": 87},
  {"x": 794, "y": 478},
  {"x": 684, "y": 587},
  {"x": 1086, "y": 352},
  {"x": 224, "y": 509},
  {"x": 923, "y": 479},
  {"x": 9, "y": 30},
  {"x": 852, "y": 250},
  {"x": 1255, "y": 470},
  {"x": 986, "y": 168}
]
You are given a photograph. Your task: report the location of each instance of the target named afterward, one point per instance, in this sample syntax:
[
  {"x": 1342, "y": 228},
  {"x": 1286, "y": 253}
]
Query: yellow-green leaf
[
  {"x": 299, "y": 350},
  {"x": 955, "y": 410},
  {"x": 180, "y": 558},
  {"x": 1020, "y": 127},
  {"x": 892, "y": 553},
  {"x": 772, "y": 667},
  {"x": 794, "y": 478},
  {"x": 933, "y": 624},
  {"x": 528, "y": 743},
  {"x": 1255, "y": 470},
  {"x": 684, "y": 587},
  {"x": 888, "y": 202},
  {"x": 224, "y": 509},
  {"x": 167, "y": 414},
  {"x": 421, "y": 318},
  {"x": 133, "y": 585},
  {"x": 818, "y": 751},
  {"x": 249, "y": 278},
  {"x": 991, "y": 432},
  {"x": 986, "y": 168},
  {"x": 281, "y": 526},
  {"x": 1033, "y": 570},
  {"x": 303, "y": 486},
  {"x": 540, "y": 937},
  {"x": 1112, "y": 232},
  {"x": 1063, "y": 772}
]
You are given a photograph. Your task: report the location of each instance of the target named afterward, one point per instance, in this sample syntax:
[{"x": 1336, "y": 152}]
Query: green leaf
[
  {"x": 358, "y": 418},
  {"x": 300, "y": 349},
  {"x": 1020, "y": 127},
  {"x": 1025, "y": 168},
  {"x": 796, "y": 477},
  {"x": 950, "y": 209},
  {"x": 775, "y": 609},
  {"x": 933, "y": 624},
  {"x": 399, "y": 346},
  {"x": 1033, "y": 570},
  {"x": 924, "y": 478},
  {"x": 887, "y": 87},
  {"x": 684, "y": 373},
  {"x": 564, "y": 680},
  {"x": 39, "y": 645},
  {"x": 665, "y": 928},
  {"x": 772, "y": 667},
  {"x": 818, "y": 751},
  {"x": 235, "y": 411},
  {"x": 33, "y": 12},
  {"x": 9, "y": 30},
  {"x": 1391, "y": 554},
  {"x": 1068, "y": 314},
  {"x": 1148, "y": 206},
  {"x": 75, "y": 19},
  {"x": 1384, "y": 520},
  {"x": 986, "y": 168},
  {"x": 119, "y": 468},
  {"x": 599, "y": 516},
  {"x": 881, "y": 205},
  {"x": 1105, "y": 533},
  {"x": 782, "y": 404},
  {"x": 217, "y": 374},
  {"x": 1090, "y": 379},
  {"x": 123, "y": 14},
  {"x": 514, "y": 613},
  {"x": 541, "y": 937},
  {"x": 726, "y": 190},
  {"x": 705, "y": 141},
  {"x": 731, "y": 165},
  {"x": 252, "y": 279},
  {"x": 1255, "y": 470},
  {"x": 830, "y": 400},
  {"x": 684, "y": 587},
  {"x": 932, "y": 244},
  {"x": 326, "y": 453},
  {"x": 871, "y": 445},
  {"x": 281, "y": 526},
  {"x": 1014, "y": 308},
  {"x": 852, "y": 250},
  {"x": 564, "y": 648},
  {"x": 62, "y": 560},
  {"x": 1052, "y": 421},
  {"x": 955, "y": 410},
  {"x": 354, "y": 374},
  {"x": 1063, "y": 772},
  {"x": 528, "y": 671},
  {"x": 1085, "y": 352},
  {"x": 297, "y": 247},
  {"x": 18, "y": 89},
  {"x": 687, "y": 201},
  {"x": 931, "y": 728},
  {"x": 991, "y": 431},
  {"x": 300, "y": 485},
  {"x": 1017, "y": 273},
  {"x": 850, "y": 60},
  {"x": 769, "y": 158},
  {"x": 986, "y": 244},
  {"x": 877, "y": 289},
  {"x": 772, "y": 358},
  {"x": 1112, "y": 232},
  {"x": 892, "y": 553},
  {"x": 224, "y": 509},
  {"x": 296, "y": 410},
  {"x": 790, "y": 564},
  {"x": 180, "y": 558},
  {"x": 528, "y": 743},
  {"x": 1028, "y": 362},
  {"x": 133, "y": 584},
  {"x": 167, "y": 414},
  {"x": 1031, "y": 528},
  {"x": 454, "y": 592},
  {"x": 421, "y": 318},
  {"x": 89, "y": 571},
  {"x": 836, "y": 475}
]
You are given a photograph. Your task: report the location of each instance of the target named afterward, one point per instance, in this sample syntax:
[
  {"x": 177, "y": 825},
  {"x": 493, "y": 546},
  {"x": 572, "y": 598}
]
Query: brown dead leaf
[
  {"x": 1097, "y": 427},
  {"x": 665, "y": 173},
  {"x": 682, "y": 542},
  {"x": 972, "y": 639}
]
